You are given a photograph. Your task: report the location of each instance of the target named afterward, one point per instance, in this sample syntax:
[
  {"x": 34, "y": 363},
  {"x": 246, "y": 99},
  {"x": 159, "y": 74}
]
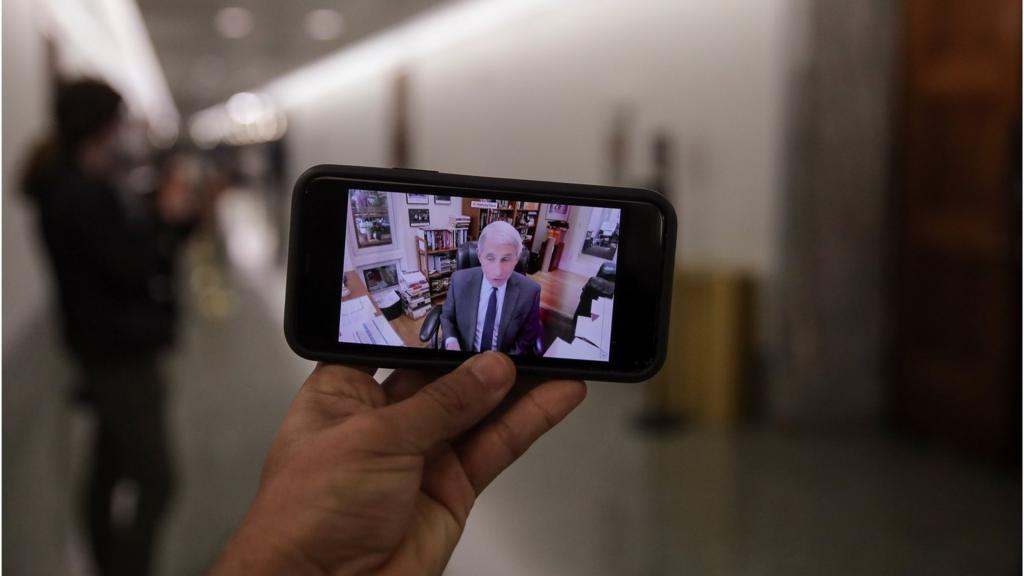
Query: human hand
[
  {"x": 376, "y": 479},
  {"x": 175, "y": 199},
  {"x": 452, "y": 344}
]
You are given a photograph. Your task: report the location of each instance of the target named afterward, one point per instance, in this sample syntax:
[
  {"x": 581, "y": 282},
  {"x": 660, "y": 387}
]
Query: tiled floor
[{"x": 594, "y": 497}]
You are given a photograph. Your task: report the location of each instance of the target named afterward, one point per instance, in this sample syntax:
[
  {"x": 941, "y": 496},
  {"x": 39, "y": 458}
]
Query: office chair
[
  {"x": 601, "y": 285},
  {"x": 465, "y": 257}
]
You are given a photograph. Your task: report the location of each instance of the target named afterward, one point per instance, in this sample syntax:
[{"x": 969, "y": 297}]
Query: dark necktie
[{"x": 487, "y": 336}]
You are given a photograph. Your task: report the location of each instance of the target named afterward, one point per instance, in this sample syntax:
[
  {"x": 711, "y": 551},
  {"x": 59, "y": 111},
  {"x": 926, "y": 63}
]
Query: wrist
[{"x": 255, "y": 551}]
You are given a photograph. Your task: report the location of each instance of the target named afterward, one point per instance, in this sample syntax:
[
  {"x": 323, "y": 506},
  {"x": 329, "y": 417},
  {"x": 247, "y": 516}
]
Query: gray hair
[{"x": 502, "y": 233}]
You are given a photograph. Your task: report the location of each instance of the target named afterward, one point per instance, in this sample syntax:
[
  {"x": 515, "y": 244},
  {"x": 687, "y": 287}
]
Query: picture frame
[
  {"x": 558, "y": 211},
  {"x": 442, "y": 200},
  {"x": 419, "y": 217},
  {"x": 371, "y": 218},
  {"x": 381, "y": 277},
  {"x": 417, "y": 199}
]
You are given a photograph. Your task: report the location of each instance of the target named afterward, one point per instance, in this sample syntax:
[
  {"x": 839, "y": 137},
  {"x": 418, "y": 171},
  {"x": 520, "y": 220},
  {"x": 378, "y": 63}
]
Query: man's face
[{"x": 498, "y": 261}]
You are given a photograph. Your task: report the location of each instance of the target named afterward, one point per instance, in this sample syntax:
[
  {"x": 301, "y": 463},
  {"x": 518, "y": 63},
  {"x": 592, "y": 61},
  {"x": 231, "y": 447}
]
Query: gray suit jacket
[{"x": 519, "y": 328}]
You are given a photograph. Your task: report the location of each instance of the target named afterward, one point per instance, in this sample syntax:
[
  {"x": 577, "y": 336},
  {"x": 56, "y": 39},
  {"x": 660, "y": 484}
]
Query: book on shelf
[
  {"x": 411, "y": 279},
  {"x": 459, "y": 221},
  {"x": 439, "y": 285},
  {"x": 489, "y": 217},
  {"x": 419, "y": 302},
  {"x": 416, "y": 300},
  {"x": 418, "y": 313},
  {"x": 416, "y": 306},
  {"x": 525, "y": 219},
  {"x": 440, "y": 264},
  {"x": 437, "y": 239},
  {"x": 414, "y": 290}
]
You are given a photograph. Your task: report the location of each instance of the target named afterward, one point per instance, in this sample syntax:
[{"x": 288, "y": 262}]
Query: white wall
[
  {"x": 439, "y": 218},
  {"x": 404, "y": 246},
  {"x": 25, "y": 102},
  {"x": 573, "y": 258},
  {"x": 536, "y": 99},
  {"x": 34, "y": 369}
]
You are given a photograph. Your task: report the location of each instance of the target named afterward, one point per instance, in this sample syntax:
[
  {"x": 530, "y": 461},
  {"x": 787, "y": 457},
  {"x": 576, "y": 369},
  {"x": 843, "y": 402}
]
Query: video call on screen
[{"x": 476, "y": 274}]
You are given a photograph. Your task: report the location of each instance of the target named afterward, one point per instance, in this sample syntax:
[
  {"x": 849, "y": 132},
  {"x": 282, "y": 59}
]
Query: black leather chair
[
  {"x": 601, "y": 285},
  {"x": 465, "y": 257}
]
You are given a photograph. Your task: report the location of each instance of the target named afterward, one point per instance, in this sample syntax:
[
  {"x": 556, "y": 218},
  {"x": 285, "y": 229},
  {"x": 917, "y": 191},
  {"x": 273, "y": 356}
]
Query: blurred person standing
[{"x": 112, "y": 251}]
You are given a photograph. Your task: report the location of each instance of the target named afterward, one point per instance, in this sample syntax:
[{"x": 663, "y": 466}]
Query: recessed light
[
  {"x": 324, "y": 24},
  {"x": 233, "y": 22},
  {"x": 245, "y": 107}
]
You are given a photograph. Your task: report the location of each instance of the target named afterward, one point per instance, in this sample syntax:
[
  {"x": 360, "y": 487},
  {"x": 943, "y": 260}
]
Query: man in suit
[{"x": 493, "y": 307}]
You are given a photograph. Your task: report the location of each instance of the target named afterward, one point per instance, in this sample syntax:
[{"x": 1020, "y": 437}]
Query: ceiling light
[
  {"x": 443, "y": 27},
  {"x": 324, "y": 24},
  {"x": 233, "y": 22},
  {"x": 245, "y": 107},
  {"x": 108, "y": 39}
]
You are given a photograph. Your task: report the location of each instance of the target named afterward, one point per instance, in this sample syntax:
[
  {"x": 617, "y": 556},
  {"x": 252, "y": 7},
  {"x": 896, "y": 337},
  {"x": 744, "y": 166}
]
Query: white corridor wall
[{"x": 536, "y": 99}]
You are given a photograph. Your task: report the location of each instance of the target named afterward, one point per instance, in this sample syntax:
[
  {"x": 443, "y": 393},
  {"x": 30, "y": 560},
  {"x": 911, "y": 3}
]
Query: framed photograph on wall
[
  {"x": 442, "y": 199},
  {"x": 417, "y": 199},
  {"x": 558, "y": 211},
  {"x": 370, "y": 218},
  {"x": 419, "y": 217}
]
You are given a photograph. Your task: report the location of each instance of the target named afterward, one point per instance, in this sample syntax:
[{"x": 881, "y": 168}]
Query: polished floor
[{"x": 594, "y": 497}]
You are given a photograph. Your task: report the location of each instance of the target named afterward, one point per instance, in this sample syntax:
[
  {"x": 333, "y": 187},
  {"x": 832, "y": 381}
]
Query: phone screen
[{"x": 527, "y": 278}]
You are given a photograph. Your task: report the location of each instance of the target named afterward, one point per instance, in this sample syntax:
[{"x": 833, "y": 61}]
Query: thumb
[{"x": 451, "y": 404}]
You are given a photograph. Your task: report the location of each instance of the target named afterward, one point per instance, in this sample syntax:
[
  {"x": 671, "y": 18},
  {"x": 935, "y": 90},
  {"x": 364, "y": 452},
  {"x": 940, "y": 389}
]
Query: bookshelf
[
  {"x": 523, "y": 216},
  {"x": 435, "y": 253}
]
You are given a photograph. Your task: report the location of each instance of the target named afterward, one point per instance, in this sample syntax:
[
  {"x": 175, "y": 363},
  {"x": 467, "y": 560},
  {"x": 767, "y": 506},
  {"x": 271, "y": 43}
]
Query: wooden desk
[
  {"x": 407, "y": 328},
  {"x": 356, "y": 288}
]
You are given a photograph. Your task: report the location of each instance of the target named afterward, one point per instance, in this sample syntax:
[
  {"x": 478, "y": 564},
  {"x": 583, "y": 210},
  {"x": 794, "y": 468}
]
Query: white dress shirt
[{"x": 481, "y": 315}]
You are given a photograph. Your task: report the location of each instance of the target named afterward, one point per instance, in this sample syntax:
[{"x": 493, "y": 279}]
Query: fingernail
[{"x": 492, "y": 370}]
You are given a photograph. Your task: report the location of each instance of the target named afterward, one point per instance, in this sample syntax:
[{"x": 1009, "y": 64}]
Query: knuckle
[
  {"x": 549, "y": 419},
  {"x": 508, "y": 439}
]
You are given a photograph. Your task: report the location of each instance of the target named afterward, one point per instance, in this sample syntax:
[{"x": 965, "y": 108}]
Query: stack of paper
[
  {"x": 357, "y": 310},
  {"x": 385, "y": 298},
  {"x": 360, "y": 324},
  {"x": 578, "y": 350},
  {"x": 597, "y": 328}
]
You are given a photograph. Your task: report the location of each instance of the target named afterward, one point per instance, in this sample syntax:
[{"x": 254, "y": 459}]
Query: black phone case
[{"x": 387, "y": 358}]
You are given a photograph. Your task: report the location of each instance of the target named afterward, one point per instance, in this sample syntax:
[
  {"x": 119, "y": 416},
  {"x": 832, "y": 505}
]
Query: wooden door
[{"x": 957, "y": 227}]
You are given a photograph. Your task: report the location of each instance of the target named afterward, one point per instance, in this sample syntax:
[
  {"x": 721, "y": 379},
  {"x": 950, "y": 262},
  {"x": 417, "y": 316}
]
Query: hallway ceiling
[{"x": 203, "y": 67}]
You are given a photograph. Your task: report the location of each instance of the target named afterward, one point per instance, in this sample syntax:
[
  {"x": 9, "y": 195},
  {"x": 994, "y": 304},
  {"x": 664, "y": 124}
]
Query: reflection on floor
[
  {"x": 594, "y": 497},
  {"x": 606, "y": 252},
  {"x": 560, "y": 290},
  {"x": 409, "y": 330}
]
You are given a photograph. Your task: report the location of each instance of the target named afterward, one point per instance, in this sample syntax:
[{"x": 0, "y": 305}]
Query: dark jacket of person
[
  {"x": 113, "y": 261},
  {"x": 519, "y": 328}
]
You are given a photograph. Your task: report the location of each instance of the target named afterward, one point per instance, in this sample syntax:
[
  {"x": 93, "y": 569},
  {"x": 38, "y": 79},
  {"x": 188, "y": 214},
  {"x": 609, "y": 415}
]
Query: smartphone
[{"x": 405, "y": 268}]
